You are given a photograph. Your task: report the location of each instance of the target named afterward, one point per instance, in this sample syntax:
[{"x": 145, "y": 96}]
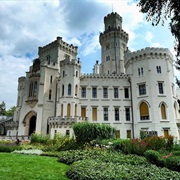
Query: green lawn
[{"x": 29, "y": 167}]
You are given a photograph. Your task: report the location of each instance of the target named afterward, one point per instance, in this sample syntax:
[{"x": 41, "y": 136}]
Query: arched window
[
  {"x": 35, "y": 89},
  {"x": 75, "y": 110},
  {"x": 62, "y": 110},
  {"x": 68, "y": 110},
  {"x": 63, "y": 73},
  {"x": 62, "y": 90},
  {"x": 31, "y": 89},
  {"x": 76, "y": 90},
  {"x": 144, "y": 111},
  {"x": 69, "y": 89},
  {"x": 163, "y": 111},
  {"x": 50, "y": 94},
  {"x": 109, "y": 27},
  {"x": 76, "y": 73}
]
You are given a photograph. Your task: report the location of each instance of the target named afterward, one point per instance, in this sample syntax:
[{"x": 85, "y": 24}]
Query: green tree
[
  {"x": 160, "y": 10},
  {"x": 86, "y": 132},
  {"x": 10, "y": 112},
  {"x": 2, "y": 108}
]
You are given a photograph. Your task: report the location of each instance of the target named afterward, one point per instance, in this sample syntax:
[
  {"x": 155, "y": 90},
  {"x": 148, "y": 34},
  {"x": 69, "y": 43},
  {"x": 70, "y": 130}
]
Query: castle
[{"x": 131, "y": 91}]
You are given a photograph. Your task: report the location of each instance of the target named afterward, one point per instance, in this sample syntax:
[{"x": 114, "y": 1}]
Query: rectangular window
[
  {"x": 48, "y": 58},
  {"x": 94, "y": 92},
  {"x": 83, "y": 92},
  {"x": 83, "y": 112},
  {"x": 67, "y": 132},
  {"x": 142, "y": 89},
  {"x": 158, "y": 68},
  {"x": 166, "y": 133},
  {"x": 127, "y": 114},
  {"x": 129, "y": 134},
  {"x": 118, "y": 134},
  {"x": 105, "y": 114},
  {"x": 105, "y": 92},
  {"x": 94, "y": 114},
  {"x": 160, "y": 87},
  {"x": 126, "y": 92},
  {"x": 116, "y": 114},
  {"x": 116, "y": 93},
  {"x": 51, "y": 78}
]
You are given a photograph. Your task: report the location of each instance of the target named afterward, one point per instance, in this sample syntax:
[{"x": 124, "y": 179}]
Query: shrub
[
  {"x": 92, "y": 169},
  {"x": 155, "y": 142},
  {"x": 9, "y": 148},
  {"x": 39, "y": 138},
  {"x": 154, "y": 157},
  {"x": 86, "y": 132},
  {"x": 101, "y": 155},
  {"x": 173, "y": 163},
  {"x": 169, "y": 142}
]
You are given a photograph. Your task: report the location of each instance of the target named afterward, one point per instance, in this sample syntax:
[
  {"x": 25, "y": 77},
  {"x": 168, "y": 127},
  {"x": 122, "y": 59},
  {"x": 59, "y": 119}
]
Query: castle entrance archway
[{"x": 32, "y": 125}]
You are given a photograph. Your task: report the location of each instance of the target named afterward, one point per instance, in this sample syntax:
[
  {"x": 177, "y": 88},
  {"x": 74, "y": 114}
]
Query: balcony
[{"x": 65, "y": 120}]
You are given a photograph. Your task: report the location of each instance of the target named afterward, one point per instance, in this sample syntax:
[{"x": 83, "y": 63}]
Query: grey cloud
[{"x": 85, "y": 16}]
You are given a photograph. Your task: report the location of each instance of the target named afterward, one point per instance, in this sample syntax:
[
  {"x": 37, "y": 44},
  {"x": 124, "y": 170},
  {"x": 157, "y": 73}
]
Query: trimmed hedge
[
  {"x": 170, "y": 161},
  {"x": 9, "y": 148},
  {"x": 70, "y": 157}
]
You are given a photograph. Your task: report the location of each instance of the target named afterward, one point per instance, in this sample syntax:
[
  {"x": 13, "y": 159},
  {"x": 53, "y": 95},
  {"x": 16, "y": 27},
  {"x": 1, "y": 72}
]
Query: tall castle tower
[{"x": 113, "y": 45}]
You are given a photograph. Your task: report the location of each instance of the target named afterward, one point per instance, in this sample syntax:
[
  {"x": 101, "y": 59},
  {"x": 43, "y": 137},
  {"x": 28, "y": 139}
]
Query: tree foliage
[
  {"x": 160, "y": 10},
  {"x": 2, "y": 109},
  {"x": 86, "y": 132},
  {"x": 9, "y": 112}
]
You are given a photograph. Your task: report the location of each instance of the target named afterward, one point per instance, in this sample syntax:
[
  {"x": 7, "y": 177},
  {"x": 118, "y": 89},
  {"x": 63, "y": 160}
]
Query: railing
[
  {"x": 65, "y": 120},
  {"x": 14, "y": 137}
]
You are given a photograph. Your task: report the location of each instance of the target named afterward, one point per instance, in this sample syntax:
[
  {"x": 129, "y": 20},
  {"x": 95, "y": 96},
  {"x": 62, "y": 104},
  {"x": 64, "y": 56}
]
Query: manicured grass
[{"x": 29, "y": 167}]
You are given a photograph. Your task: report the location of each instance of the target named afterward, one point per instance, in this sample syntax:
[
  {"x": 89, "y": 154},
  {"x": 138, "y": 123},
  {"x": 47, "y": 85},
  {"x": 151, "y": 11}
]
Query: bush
[
  {"x": 39, "y": 138},
  {"x": 92, "y": 169},
  {"x": 9, "y": 148},
  {"x": 156, "y": 142},
  {"x": 86, "y": 132},
  {"x": 173, "y": 163},
  {"x": 102, "y": 155},
  {"x": 154, "y": 157}
]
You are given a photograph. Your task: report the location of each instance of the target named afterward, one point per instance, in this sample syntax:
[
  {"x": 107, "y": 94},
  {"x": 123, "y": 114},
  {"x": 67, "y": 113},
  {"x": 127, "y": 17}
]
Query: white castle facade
[{"x": 131, "y": 91}]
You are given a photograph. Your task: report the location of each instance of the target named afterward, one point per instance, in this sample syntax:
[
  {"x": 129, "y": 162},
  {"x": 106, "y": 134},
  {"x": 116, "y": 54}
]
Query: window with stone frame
[
  {"x": 83, "y": 92},
  {"x": 160, "y": 87},
  {"x": 105, "y": 113},
  {"x": 105, "y": 92},
  {"x": 116, "y": 94},
  {"x": 116, "y": 113},
  {"x": 142, "y": 89},
  {"x": 126, "y": 92},
  {"x": 94, "y": 92}
]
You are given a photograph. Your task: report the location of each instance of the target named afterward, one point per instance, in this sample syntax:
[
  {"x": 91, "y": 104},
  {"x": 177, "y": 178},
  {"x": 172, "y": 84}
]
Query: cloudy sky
[{"x": 27, "y": 24}]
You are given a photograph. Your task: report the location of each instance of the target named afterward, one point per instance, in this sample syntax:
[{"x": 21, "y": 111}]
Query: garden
[{"x": 94, "y": 154}]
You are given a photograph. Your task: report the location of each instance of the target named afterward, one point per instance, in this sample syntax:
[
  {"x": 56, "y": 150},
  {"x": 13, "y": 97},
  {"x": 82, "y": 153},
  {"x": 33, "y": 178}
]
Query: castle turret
[{"x": 113, "y": 45}]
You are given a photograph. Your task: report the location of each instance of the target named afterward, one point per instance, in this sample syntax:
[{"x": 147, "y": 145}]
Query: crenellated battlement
[
  {"x": 104, "y": 76},
  {"x": 113, "y": 16},
  {"x": 116, "y": 32},
  {"x": 68, "y": 61},
  {"x": 153, "y": 53},
  {"x": 22, "y": 78},
  {"x": 58, "y": 43}
]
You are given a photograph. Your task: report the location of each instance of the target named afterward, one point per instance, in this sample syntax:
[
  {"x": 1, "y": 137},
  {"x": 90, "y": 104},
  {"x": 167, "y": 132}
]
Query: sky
[{"x": 27, "y": 24}]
